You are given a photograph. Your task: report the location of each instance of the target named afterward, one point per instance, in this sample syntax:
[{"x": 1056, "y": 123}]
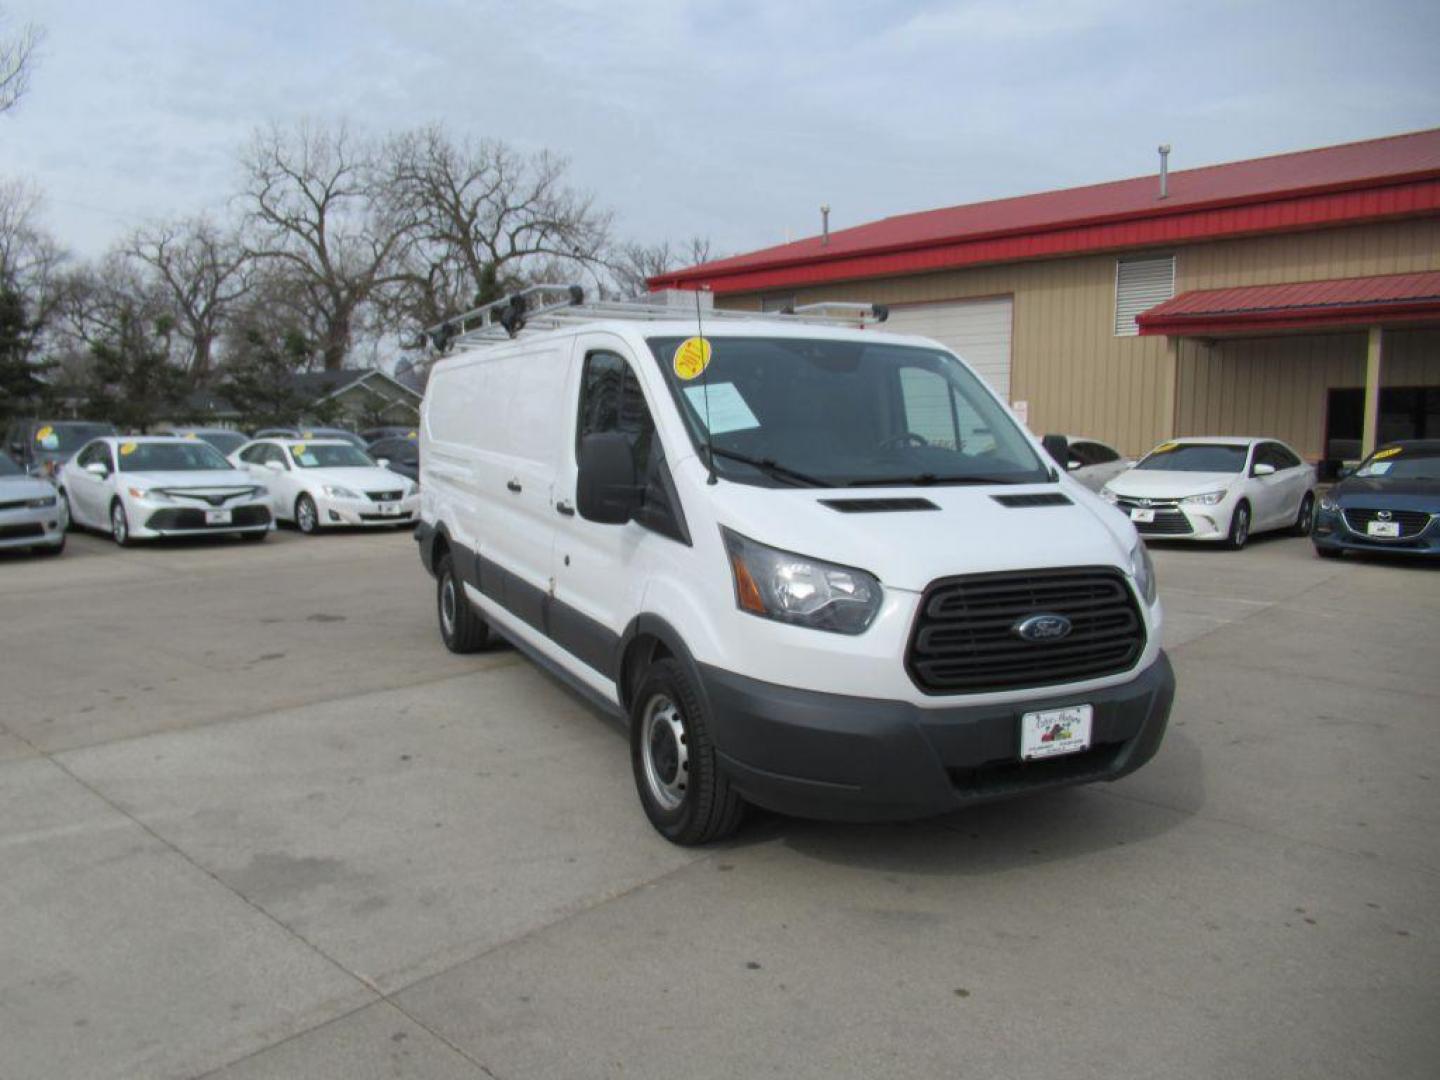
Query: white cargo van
[{"x": 817, "y": 567}]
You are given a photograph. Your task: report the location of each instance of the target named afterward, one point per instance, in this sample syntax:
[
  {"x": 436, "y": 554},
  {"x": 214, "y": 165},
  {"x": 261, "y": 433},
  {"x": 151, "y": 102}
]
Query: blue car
[{"x": 1390, "y": 504}]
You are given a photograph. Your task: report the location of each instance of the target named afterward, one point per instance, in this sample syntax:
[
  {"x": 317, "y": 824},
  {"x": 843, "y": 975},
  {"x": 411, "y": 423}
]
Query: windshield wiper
[
  {"x": 928, "y": 479},
  {"x": 771, "y": 468}
]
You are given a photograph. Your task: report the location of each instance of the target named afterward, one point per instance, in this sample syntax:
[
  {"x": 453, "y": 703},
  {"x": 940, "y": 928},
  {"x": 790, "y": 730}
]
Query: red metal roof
[
  {"x": 1392, "y": 177},
  {"x": 1339, "y": 302}
]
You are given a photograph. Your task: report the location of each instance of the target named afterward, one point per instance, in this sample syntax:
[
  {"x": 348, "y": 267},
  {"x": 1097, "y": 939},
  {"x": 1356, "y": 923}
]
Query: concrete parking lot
[{"x": 256, "y": 822}]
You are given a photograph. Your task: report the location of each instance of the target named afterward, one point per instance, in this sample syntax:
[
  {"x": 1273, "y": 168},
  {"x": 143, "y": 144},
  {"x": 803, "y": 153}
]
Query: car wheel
[
  {"x": 1305, "y": 518},
  {"x": 461, "y": 627},
  {"x": 1328, "y": 553},
  {"x": 66, "y": 517},
  {"x": 677, "y": 772},
  {"x": 119, "y": 524},
  {"x": 1239, "y": 527},
  {"x": 307, "y": 518}
]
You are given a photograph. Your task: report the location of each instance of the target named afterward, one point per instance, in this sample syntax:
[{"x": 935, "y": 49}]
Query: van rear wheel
[
  {"x": 461, "y": 627},
  {"x": 677, "y": 773}
]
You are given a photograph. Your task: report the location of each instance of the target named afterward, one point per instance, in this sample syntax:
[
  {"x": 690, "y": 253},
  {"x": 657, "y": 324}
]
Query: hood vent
[
  {"x": 1041, "y": 498},
  {"x": 877, "y": 506}
]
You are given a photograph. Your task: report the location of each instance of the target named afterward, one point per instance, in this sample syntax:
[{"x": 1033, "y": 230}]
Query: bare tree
[
  {"x": 17, "y": 60},
  {"x": 32, "y": 288},
  {"x": 486, "y": 219},
  {"x": 632, "y": 264},
  {"x": 314, "y": 206},
  {"x": 203, "y": 272}
]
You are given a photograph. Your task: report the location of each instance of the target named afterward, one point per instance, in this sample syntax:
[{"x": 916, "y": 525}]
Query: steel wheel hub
[{"x": 664, "y": 752}]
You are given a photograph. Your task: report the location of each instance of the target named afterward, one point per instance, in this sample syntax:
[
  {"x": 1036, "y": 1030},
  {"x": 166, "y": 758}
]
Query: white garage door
[{"x": 977, "y": 330}]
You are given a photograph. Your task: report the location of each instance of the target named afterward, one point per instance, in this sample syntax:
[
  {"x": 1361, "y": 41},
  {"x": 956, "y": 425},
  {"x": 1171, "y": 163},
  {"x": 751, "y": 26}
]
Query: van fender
[{"x": 636, "y": 649}]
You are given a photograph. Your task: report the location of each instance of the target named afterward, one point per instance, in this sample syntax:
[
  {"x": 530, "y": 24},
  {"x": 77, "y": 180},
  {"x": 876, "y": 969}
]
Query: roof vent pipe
[
  {"x": 1164, "y": 169},
  {"x": 825, "y": 223}
]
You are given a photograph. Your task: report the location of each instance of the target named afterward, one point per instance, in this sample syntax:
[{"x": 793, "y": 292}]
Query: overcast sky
[{"x": 730, "y": 119}]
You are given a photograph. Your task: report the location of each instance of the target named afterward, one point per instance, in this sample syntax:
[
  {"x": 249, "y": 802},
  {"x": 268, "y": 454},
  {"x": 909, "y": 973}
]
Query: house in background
[
  {"x": 1295, "y": 296},
  {"x": 352, "y": 397}
]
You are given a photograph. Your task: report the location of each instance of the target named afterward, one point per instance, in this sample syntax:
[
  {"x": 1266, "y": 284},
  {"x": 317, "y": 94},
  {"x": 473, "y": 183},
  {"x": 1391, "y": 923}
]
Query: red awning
[{"x": 1302, "y": 305}]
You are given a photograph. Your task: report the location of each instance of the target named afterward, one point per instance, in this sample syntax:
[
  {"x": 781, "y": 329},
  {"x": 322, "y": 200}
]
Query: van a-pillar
[{"x": 1373, "y": 357}]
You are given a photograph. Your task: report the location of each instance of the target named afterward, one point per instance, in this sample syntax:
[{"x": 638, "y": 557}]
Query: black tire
[
  {"x": 119, "y": 525},
  {"x": 69, "y": 517},
  {"x": 307, "y": 517},
  {"x": 1328, "y": 553},
  {"x": 1306, "y": 517},
  {"x": 685, "y": 795},
  {"x": 255, "y": 537},
  {"x": 1239, "y": 527},
  {"x": 461, "y": 627}
]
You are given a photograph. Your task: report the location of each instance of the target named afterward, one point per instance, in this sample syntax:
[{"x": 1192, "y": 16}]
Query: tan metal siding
[{"x": 1079, "y": 377}]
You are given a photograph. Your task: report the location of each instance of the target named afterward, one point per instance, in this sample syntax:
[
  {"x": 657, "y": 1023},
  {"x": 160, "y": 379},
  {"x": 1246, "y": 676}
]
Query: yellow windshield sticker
[
  {"x": 127, "y": 448},
  {"x": 191, "y": 435},
  {"x": 1165, "y": 448},
  {"x": 692, "y": 358},
  {"x": 298, "y": 449},
  {"x": 1381, "y": 455},
  {"x": 44, "y": 433},
  {"x": 413, "y": 435},
  {"x": 308, "y": 434}
]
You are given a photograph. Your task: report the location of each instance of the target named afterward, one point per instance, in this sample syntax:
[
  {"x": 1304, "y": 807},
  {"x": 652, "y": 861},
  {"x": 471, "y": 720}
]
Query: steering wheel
[{"x": 905, "y": 438}]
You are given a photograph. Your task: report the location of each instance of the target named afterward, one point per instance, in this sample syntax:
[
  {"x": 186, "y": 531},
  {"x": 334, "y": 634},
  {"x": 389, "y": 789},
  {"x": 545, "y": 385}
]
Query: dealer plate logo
[{"x": 1043, "y": 627}]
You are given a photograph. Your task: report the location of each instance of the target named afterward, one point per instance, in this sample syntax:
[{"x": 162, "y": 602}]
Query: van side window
[{"x": 611, "y": 400}]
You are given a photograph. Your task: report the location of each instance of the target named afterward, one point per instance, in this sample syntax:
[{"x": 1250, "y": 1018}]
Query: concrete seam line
[{"x": 1259, "y": 610}]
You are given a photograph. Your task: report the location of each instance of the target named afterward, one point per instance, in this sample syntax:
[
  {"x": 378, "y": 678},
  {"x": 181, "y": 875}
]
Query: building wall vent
[{"x": 1140, "y": 284}]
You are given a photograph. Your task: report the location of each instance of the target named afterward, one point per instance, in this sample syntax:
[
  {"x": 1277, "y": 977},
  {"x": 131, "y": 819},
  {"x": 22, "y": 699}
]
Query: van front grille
[{"x": 965, "y": 639}]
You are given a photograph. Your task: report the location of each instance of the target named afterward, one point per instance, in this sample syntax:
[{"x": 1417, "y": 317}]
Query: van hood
[
  {"x": 1169, "y": 484},
  {"x": 908, "y": 549}
]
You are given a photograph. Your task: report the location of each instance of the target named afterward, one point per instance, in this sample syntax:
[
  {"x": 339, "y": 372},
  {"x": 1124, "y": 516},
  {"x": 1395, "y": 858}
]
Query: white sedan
[
  {"x": 1219, "y": 489},
  {"x": 322, "y": 482},
  {"x": 136, "y": 488}
]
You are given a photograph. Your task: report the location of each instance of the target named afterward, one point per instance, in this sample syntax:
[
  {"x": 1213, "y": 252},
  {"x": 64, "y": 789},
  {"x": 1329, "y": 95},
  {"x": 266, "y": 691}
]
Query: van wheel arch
[
  {"x": 438, "y": 546},
  {"x": 646, "y": 641}
]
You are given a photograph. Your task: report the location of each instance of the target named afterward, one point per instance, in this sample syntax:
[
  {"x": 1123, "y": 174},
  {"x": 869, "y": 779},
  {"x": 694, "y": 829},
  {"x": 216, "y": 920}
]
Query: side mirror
[
  {"x": 1073, "y": 464},
  {"x": 1263, "y": 469},
  {"x": 96, "y": 468},
  {"x": 273, "y": 465},
  {"x": 383, "y": 462},
  {"x": 1057, "y": 446},
  {"x": 1344, "y": 471},
  {"x": 606, "y": 491}
]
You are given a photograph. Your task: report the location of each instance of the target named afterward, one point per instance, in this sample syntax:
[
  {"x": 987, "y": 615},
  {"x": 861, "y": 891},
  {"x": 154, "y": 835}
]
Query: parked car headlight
[
  {"x": 794, "y": 589},
  {"x": 42, "y": 502},
  {"x": 336, "y": 491},
  {"x": 1209, "y": 498},
  {"x": 1108, "y": 495},
  {"x": 1328, "y": 504},
  {"x": 146, "y": 493},
  {"x": 1143, "y": 571}
]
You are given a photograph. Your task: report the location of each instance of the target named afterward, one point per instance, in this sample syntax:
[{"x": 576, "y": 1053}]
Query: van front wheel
[{"x": 685, "y": 795}]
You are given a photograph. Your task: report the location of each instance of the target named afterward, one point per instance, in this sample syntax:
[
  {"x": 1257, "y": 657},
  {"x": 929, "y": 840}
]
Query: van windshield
[{"x": 836, "y": 413}]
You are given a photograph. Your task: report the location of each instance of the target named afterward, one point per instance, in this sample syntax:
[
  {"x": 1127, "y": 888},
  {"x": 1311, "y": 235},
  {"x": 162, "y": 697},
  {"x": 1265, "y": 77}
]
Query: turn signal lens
[{"x": 747, "y": 593}]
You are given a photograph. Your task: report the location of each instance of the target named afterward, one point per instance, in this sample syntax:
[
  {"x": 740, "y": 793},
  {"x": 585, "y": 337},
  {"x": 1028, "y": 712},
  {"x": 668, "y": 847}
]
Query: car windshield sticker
[
  {"x": 413, "y": 435},
  {"x": 692, "y": 357},
  {"x": 47, "y": 438},
  {"x": 1165, "y": 448},
  {"x": 298, "y": 449},
  {"x": 308, "y": 459},
  {"x": 191, "y": 435},
  {"x": 1381, "y": 455},
  {"x": 127, "y": 449},
  {"x": 308, "y": 434},
  {"x": 1377, "y": 468},
  {"x": 727, "y": 410}
]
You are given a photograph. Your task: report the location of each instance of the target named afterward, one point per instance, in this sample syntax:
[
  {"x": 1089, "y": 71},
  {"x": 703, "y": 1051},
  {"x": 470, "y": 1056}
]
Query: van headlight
[
  {"x": 795, "y": 589},
  {"x": 1143, "y": 571},
  {"x": 1209, "y": 498}
]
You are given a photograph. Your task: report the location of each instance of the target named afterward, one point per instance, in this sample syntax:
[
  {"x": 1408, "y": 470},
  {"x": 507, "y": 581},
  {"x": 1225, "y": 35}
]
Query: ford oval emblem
[{"x": 1045, "y": 627}]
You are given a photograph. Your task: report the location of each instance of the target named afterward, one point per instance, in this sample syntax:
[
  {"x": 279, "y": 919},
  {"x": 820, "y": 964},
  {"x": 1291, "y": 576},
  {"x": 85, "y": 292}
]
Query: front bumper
[
  {"x": 42, "y": 526},
  {"x": 1174, "y": 520},
  {"x": 151, "y": 518},
  {"x": 1333, "y": 533},
  {"x": 366, "y": 512},
  {"x": 861, "y": 759}
]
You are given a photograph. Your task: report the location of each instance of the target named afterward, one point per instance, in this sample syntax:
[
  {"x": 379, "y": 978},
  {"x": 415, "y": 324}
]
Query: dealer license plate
[
  {"x": 217, "y": 517},
  {"x": 1383, "y": 528},
  {"x": 389, "y": 509},
  {"x": 1052, "y": 732},
  {"x": 1142, "y": 516}
]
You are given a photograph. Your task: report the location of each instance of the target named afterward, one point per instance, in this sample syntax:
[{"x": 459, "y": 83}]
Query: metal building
[{"x": 1296, "y": 296}]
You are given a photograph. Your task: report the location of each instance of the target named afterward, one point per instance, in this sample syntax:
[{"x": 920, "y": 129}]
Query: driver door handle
[
  {"x": 513, "y": 485},
  {"x": 565, "y": 508}
]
